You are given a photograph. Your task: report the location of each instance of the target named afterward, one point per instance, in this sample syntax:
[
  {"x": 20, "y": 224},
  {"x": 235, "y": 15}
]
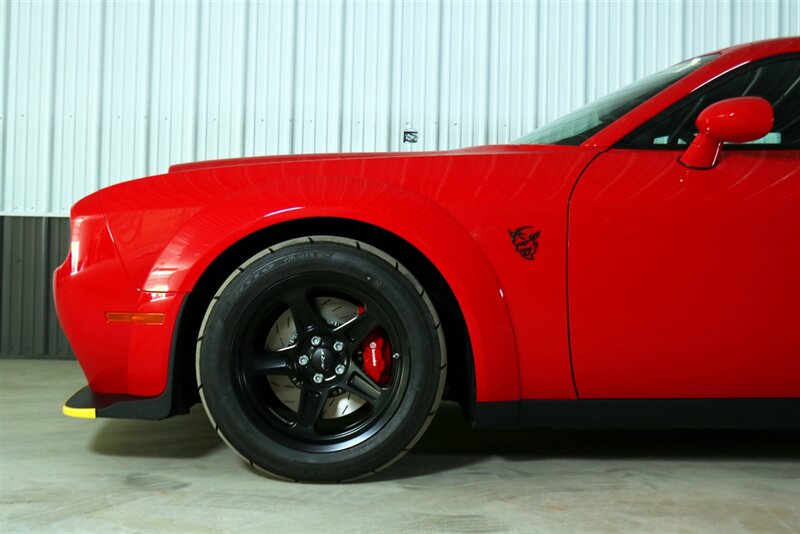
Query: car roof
[{"x": 764, "y": 48}]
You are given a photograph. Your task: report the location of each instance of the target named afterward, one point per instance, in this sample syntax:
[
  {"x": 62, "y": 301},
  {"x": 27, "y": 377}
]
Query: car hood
[{"x": 291, "y": 158}]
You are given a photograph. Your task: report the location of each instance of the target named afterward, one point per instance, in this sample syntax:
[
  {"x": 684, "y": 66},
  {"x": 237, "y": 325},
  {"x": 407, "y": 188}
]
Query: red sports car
[{"x": 634, "y": 263}]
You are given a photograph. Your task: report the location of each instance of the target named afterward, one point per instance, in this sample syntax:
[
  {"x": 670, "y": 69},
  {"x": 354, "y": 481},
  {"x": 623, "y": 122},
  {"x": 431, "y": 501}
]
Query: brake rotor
[{"x": 283, "y": 333}]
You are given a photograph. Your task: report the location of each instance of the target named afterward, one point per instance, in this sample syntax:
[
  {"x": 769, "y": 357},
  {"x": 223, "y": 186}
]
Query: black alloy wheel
[{"x": 321, "y": 359}]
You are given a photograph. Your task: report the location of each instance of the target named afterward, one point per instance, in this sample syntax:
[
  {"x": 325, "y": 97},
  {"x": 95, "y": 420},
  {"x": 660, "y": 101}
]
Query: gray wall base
[{"x": 31, "y": 248}]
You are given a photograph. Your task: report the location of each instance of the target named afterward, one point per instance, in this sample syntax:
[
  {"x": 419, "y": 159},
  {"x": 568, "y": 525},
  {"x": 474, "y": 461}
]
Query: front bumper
[{"x": 118, "y": 355}]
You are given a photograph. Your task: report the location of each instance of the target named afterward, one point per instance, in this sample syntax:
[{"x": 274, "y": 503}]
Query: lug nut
[
  {"x": 303, "y": 359},
  {"x": 316, "y": 340},
  {"x": 396, "y": 355},
  {"x": 318, "y": 378},
  {"x": 338, "y": 346},
  {"x": 339, "y": 369}
]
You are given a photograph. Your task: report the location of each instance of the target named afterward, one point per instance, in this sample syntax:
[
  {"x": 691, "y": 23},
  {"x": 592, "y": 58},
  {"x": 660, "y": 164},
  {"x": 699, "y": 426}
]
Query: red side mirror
[{"x": 736, "y": 120}]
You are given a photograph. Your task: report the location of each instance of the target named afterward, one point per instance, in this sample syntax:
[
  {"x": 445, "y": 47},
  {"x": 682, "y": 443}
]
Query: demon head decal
[{"x": 525, "y": 241}]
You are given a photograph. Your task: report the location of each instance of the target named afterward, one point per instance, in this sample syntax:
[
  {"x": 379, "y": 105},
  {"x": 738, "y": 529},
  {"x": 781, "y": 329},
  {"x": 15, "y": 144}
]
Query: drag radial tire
[{"x": 320, "y": 359}]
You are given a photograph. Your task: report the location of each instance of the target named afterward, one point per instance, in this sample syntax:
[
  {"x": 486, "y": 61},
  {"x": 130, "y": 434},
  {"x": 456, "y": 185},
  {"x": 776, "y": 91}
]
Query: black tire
[{"x": 237, "y": 369}]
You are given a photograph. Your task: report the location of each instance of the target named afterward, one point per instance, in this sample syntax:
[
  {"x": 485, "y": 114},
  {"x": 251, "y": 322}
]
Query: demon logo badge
[{"x": 525, "y": 241}]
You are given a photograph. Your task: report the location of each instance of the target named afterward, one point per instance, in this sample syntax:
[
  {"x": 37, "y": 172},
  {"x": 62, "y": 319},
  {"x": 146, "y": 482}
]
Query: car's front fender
[{"x": 168, "y": 248}]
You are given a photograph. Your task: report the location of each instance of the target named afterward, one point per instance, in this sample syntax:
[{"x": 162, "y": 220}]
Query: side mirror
[{"x": 736, "y": 120}]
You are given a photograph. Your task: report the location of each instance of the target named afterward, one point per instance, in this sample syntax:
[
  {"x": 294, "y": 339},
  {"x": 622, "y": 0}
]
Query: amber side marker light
[{"x": 140, "y": 318}]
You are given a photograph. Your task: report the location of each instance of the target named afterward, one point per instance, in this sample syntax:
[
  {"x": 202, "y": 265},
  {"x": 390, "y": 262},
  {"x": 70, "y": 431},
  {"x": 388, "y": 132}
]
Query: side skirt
[{"x": 639, "y": 413}]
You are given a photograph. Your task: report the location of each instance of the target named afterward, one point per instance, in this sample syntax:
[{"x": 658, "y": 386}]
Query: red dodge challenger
[{"x": 634, "y": 263}]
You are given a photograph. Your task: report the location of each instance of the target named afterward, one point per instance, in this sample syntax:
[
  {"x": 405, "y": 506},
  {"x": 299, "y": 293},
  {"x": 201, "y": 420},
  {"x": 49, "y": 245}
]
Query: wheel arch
[{"x": 465, "y": 380}]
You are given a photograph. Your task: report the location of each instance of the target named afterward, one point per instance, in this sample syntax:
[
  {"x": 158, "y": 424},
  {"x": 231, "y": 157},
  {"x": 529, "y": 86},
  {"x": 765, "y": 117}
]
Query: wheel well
[{"x": 460, "y": 383}]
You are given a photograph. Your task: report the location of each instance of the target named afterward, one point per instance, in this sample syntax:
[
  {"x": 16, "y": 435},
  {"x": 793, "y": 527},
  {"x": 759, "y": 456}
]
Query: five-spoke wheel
[{"x": 321, "y": 359}]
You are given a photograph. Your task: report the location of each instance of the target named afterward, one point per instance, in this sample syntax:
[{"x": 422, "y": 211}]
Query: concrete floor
[{"x": 60, "y": 474}]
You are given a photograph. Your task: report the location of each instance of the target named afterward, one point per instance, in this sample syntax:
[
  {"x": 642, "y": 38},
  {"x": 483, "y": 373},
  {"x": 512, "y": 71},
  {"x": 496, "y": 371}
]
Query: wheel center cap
[{"x": 323, "y": 359}]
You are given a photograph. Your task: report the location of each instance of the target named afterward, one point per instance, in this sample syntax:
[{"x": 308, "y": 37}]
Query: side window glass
[{"x": 777, "y": 81}]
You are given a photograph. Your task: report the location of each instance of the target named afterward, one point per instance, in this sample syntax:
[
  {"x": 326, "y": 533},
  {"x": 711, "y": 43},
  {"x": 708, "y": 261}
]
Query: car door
[{"x": 685, "y": 283}]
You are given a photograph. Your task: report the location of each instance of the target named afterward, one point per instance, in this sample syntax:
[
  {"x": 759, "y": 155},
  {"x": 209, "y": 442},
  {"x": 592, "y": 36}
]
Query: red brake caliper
[{"x": 377, "y": 358}]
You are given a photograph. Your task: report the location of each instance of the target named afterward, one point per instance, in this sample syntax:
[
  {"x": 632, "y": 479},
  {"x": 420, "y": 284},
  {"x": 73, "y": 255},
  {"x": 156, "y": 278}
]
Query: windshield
[{"x": 580, "y": 125}]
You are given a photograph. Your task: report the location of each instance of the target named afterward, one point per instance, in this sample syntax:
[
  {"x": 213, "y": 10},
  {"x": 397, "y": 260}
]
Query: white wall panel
[
  {"x": 319, "y": 55},
  {"x": 221, "y": 81},
  {"x": 270, "y": 75},
  {"x": 175, "y": 122},
  {"x": 125, "y": 74},
  {"x": 5, "y": 37},
  {"x": 79, "y": 96},
  {"x": 94, "y": 93},
  {"x": 415, "y": 70},
  {"x": 30, "y": 30},
  {"x": 366, "y": 82}
]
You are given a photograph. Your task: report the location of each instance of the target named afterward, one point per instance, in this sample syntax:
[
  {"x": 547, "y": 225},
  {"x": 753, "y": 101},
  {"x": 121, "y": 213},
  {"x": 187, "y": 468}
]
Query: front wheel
[{"x": 321, "y": 359}]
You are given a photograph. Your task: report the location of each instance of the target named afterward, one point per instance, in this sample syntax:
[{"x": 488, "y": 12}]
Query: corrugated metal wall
[
  {"x": 97, "y": 92},
  {"x": 31, "y": 247}
]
